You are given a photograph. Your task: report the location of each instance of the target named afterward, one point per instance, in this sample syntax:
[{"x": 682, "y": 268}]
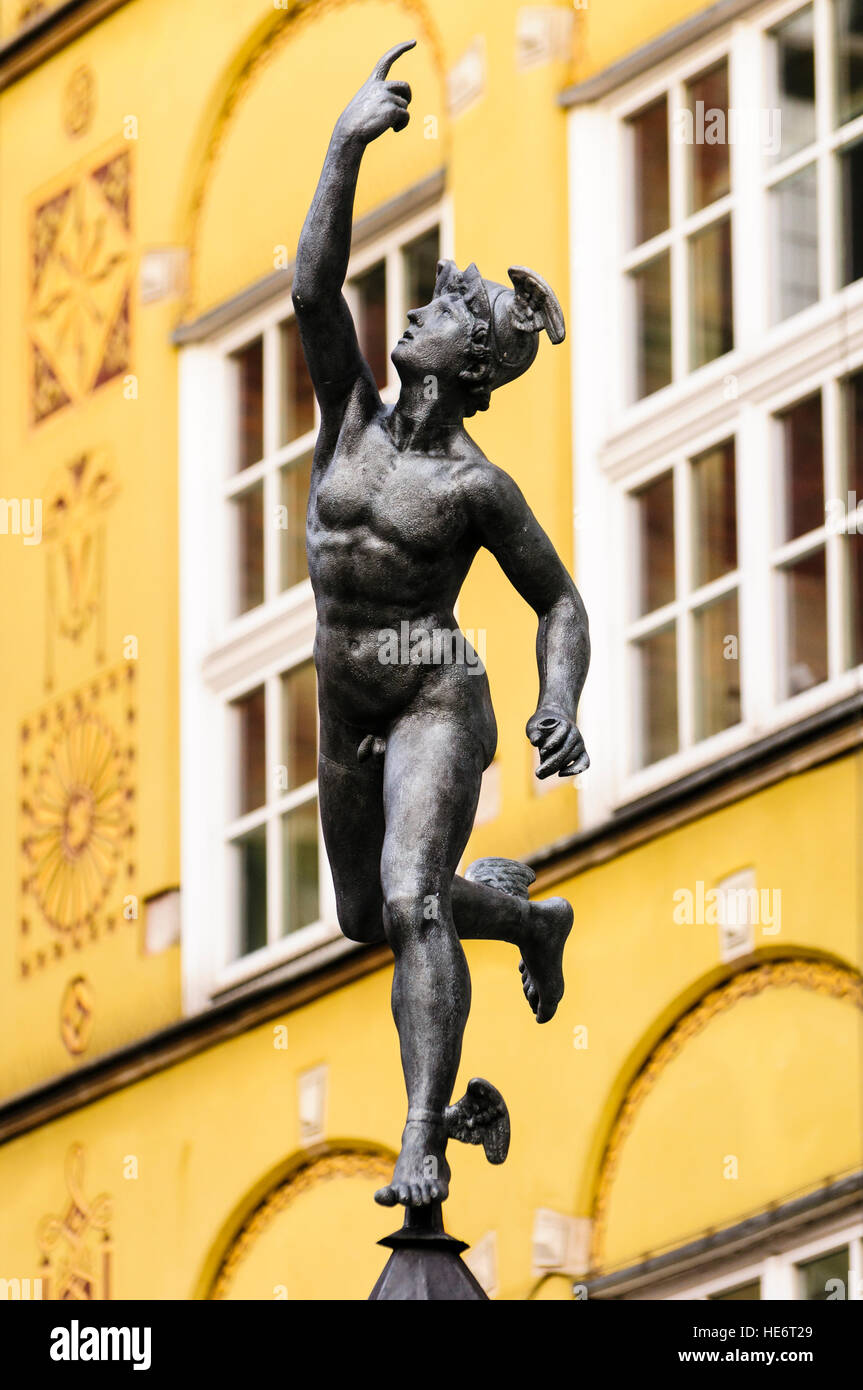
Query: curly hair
[{"x": 478, "y": 375}]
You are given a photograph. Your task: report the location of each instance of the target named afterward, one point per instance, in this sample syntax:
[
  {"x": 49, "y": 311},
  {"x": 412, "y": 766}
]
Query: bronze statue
[{"x": 401, "y": 501}]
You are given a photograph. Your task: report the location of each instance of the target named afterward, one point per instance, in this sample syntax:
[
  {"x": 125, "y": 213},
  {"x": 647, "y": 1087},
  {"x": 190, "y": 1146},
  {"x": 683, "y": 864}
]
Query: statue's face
[{"x": 436, "y": 341}]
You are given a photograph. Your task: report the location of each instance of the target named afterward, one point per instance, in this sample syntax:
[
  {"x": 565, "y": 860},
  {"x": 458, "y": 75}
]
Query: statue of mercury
[{"x": 401, "y": 500}]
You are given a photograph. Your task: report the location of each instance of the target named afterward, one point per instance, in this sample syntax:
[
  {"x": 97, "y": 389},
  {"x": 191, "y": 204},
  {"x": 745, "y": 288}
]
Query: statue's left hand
[{"x": 561, "y": 746}]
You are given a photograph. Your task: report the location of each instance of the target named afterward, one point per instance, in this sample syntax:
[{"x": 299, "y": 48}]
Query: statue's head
[{"x": 476, "y": 333}]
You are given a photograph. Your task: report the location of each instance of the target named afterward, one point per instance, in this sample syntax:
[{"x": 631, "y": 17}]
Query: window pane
[
  {"x": 792, "y": 56},
  {"x": 300, "y": 859},
  {"x": 420, "y": 262},
  {"x": 849, "y": 59},
  {"x": 794, "y": 223},
  {"x": 853, "y": 548},
  {"x": 652, "y": 289},
  {"x": 712, "y": 326},
  {"x": 294, "y": 487},
  {"x": 251, "y": 745},
  {"x": 655, "y": 544},
  {"x": 814, "y": 1275},
  {"x": 750, "y": 1292},
  {"x": 852, "y": 397},
  {"x": 805, "y": 607},
  {"x": 710, "y": 171},
  {"x": 250, "y": 853},
  {"x": 714, "y": 513},
  {"x": 851, "y": 184},
  {"x": 299, "y": 725},
  {"x": 657, "y": 660},
  {"x": 298, "y": 397},
  {"x": 247, "y": 368},
  {"x": 248, "y": 521},
  {"x": 372, "y": 326},
  {"x": 717, "y": 666},
  {"x": 649, "y": 143},
  {"x": 802, "y": 469}
]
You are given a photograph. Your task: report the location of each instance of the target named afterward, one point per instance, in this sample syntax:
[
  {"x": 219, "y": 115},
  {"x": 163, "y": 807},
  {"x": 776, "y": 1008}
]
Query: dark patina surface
[{"x": 401, "y": 501}]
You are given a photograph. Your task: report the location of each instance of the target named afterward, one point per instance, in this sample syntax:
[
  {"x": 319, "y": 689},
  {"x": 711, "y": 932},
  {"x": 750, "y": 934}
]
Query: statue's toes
[{"x": 386, "y": 1197}]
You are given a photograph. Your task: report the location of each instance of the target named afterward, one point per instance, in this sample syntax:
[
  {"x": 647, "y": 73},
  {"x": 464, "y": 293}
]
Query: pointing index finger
[{"x": 384, "y": 64}]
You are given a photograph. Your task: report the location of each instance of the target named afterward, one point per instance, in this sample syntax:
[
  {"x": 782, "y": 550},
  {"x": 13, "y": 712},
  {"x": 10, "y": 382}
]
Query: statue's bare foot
[
  {"x": 421, "y": 1173},
  {"x": 548, "y": 925}
]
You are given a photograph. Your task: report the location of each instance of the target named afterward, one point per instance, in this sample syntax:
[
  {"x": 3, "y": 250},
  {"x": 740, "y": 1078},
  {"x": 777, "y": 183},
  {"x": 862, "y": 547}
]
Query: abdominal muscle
[{"x": 369, "y": 677}]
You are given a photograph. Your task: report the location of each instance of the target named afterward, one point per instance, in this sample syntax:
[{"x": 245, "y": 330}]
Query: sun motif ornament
[
  {"x": 77, "y": 766},
  {"x": 77, "y": 823},
  {"x": 80, "y": 282}
]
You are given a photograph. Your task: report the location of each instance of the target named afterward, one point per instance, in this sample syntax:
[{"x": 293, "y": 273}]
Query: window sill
[
  {"x": 788, "y": 353},
  {"x": 731, "y": 741},
  {"x": 802, "y": 743},
  {"x": 261, "y": 638},
  {"x": 284, "y": 969},
  {"x": 305, "y": 949}
]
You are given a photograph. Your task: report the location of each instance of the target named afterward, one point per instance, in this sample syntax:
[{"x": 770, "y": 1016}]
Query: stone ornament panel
[
  {"x": 75, "y": 1243},
  {"x": 77, "y": 499},
  {"x": 81, "y": 267}
]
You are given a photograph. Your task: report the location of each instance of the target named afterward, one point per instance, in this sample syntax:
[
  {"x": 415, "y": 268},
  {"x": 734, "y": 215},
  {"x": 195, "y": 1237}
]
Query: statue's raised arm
[{"x": 329, "y": 337}]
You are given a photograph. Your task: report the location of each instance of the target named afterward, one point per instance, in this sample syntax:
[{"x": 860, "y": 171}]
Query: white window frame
[
  {"x": 778, "y": 1273},
  {"x": 618, "y": 443},
  {"x": 224, "y": 657},
  {"x": 689, "y": 598},
  {"x": 683, "y": 225}
]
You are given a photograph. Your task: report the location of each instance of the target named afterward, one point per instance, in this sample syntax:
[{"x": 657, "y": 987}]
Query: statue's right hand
[{"x": 379, "y": 105}]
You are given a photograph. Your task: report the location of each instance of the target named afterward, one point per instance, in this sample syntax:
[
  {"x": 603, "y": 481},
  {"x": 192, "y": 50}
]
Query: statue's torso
[{"x": 389, "y": 542}]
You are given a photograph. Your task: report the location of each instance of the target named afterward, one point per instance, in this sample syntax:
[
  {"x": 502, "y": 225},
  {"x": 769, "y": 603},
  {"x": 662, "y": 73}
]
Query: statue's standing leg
[
  {"x": 352, "y": 816},
  {"x": 432, "y": 774}
]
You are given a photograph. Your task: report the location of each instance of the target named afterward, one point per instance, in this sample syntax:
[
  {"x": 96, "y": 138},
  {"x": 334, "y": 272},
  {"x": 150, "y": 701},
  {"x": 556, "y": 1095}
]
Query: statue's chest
[{"x": 398, "y": 497}]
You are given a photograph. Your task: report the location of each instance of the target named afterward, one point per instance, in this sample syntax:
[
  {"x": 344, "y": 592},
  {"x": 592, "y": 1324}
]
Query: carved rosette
[{"x": 78, "y": 793}]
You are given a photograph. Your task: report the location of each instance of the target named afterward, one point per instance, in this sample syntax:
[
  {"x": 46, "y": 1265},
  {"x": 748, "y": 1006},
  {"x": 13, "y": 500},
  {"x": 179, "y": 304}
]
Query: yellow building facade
[{"x": 200, "y": 1088}]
